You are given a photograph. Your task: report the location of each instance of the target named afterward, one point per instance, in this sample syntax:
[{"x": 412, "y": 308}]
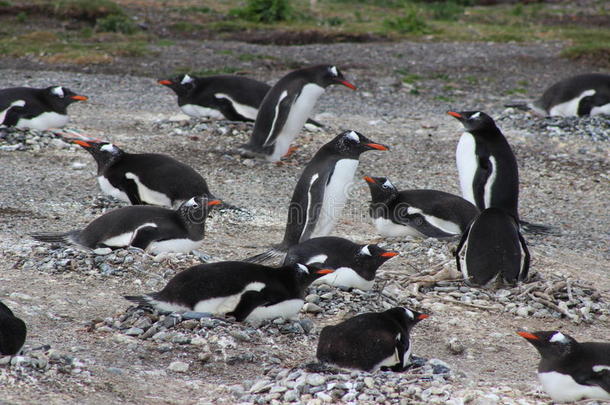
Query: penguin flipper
[
  {"x": 13, "y": 115},
  {"x": 460, "y": 246},
  {"x": 600, "y": 378},
  {"x": 526, "y": 260},
  {"x": 131, "y": 189},
  {"x": 481, "y": 176},
  {"x": 402, "y": 345},
  {"x": 266, "y": 132},
  {"x": 249, "y": 301},
  {"x": 143, "y": 236}
]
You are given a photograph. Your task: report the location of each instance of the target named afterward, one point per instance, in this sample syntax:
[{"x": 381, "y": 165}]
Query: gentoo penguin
[
  {"x": 144, "y": 178},
  {"x": 12, "y": 332},
  {"x": 586, "y": 94},
  {"x": 322, "y": 190},
  {"x": 570, "y": 371},
  {"x": 492, "y": 250},
  {"x": 235, "y": 98},
  {"x": 287, "y": 106},
  {"x": 246, "y": 291},
  {"x": 42, "y": 109},
  {"x": 153, "y": 229},
  {"x": 355, "y": 265},
  {"x": 371, "y": 341},
  {"x": 418, "y": 213},
  {"x": 488, "y": 171}
]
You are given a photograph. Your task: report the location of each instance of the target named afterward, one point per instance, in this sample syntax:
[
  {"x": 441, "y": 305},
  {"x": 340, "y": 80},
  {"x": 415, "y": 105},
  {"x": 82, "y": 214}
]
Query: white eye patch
[
  {"x": 365, "y": 250},
  {"x": 558, "y": 337},
  {"x": 186, "y": 79},
  {"x": 108, "y": 148},
  {"x": 303, "y": 268},
  {"x": 476, "y": 115},
  {"x": 58, "y": 91},
  {"x": 353, "y": 136},
  {"x": 388, "y": 184},
  {"x": 190, "y": 203},
  {"x": 409, "y": 313},
  {"x": 333, "y": 71}
]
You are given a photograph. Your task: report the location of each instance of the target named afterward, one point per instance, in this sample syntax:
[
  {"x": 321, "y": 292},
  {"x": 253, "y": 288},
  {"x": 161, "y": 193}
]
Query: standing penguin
[
  {"x": 12, "y": 332},
  {"x": 322, "y": 190},
  {"x": 575, "y": 96},
  {"x": 355, "y": 265},
  {"x": 286, "y": 107},
  {"x": 570, "y": 371},
  {"x": 371, "y": 341},
  {"x": 153, "y": 229},
  {"x": 246, "y": 291},
  {"x": 144, "y": 178},
  {"x": 493, "y": 250},
  {"x": 42, "y": 109},
  {"x": 488, "y": 171},
  {"x": 418, "y": 213}
]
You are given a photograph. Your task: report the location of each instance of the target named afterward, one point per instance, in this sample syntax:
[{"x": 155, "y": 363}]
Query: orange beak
[
  {"x": 82, "y": 143},
  {"x": 528, "y": 336},
  {"x": 214, "y": 202},
  {"x": 165, "y": 82},
  {"x": 369, "y": 179},
  {"x": 377, "y": 146},
  {"x": 390, "y": 254},
  {"x": 79, "y": 98},
  {"x": 454, "y": 114},
  {"x": 325, "y": 271},
  {"x": 423, "y": 316},
  {"x": 348, "y": 84}
]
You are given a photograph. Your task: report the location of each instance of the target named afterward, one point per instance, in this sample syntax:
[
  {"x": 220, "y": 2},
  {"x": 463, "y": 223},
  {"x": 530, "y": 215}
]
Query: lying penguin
[{"x": 12, "y": 331}]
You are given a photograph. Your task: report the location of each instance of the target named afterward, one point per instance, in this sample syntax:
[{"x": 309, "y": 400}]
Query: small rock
[
  {"x": 315, "y": 379},
  {"x": 312, "y": 308},
  {"x": 178, "y": 366}
]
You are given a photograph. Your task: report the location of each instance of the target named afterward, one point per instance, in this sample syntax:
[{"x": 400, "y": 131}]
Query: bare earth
[{"x": 564, "y": 182}]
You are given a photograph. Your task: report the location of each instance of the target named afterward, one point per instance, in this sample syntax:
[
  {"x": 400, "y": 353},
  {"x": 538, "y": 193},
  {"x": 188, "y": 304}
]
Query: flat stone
[
  {"x": 315, "y": 379},
  {"x": 178, "y": 366}
]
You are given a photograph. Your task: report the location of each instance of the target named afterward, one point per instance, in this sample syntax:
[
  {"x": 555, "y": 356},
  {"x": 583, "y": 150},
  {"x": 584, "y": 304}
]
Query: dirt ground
[{"x": 564, "y": 182}]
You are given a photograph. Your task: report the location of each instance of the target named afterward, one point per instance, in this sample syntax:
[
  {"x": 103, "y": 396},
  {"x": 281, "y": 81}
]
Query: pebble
[{"x": 178, "y": 366}]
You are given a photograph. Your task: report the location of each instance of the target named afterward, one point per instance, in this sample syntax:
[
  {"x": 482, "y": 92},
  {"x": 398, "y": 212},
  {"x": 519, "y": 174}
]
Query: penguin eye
[{"x": 385, "y": 186}]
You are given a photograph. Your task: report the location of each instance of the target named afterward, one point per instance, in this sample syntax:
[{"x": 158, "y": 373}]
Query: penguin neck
[
  {"x": 194, "y": 224},
  {"x": 105, "y": 160},
  {"x": 381, "y": 203}
]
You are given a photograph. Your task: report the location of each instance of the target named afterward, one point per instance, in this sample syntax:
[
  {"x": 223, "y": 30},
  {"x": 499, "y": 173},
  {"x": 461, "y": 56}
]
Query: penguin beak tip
[
  {"x": 455, "y": 114},
  {"x": 165, "y": 82},
  {"x": 421, "y": 317},
  {"x": 369, "y": 179},
  {"x": 325, "y": 271},
  {"x": 527, "y": 335}
]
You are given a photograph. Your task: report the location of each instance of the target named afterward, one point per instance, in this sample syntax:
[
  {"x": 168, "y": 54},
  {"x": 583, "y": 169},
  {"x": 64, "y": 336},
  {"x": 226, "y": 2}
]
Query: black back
[
  {"x": 363, "y": 341},
  {"x": 493, "y": 248},
  {"x": 572, "y": 87},
  {"x": 37, "y": 101},
  {"x": 12, "y": 331}
]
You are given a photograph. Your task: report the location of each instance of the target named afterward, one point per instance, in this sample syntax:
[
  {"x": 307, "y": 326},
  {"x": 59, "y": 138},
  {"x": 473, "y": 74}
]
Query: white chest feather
[
  {"x": 345, "y": 277},
  {"x": 602, "y": 109},
  {"x": 569, "y": 108},
  {"x": 443, "y": 225},
  {"x": 198, "y": 111},
  {"x": 563, "y": 388},
  {"x": 174, "y": 245},
  {"x": 299, "y": 113},
  {"x": 335, "y": 196},
  {"x": 17, "y": 103},
  {"x": 242, "y": 109},
  {"x": 44, "y": 121},
  {"x": 389, "y": 229},
  {"x": 466, "y": 159},
  {"x": 147, "y": 195},
  {"x": 286, "y": 309},
  {"x": 110, "y": 190},
  {"x": 490, "y": 182}
]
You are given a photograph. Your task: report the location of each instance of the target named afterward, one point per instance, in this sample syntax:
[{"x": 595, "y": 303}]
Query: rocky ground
[{"x": 86, "y": 344}]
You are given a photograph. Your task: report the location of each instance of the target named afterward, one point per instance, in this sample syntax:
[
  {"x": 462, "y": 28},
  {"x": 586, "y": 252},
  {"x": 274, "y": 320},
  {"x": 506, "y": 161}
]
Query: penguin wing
[
  {"x": 587, "y": 103},
  {"x": 597, "y": 375},
  {"x": 13, "y": 115},
  {"x": 481, "y": 176},
  {"x": 313, "y": 205},
  {"x": 401, "y": 347},
  {"x": 271, "y": 118},
  {"x": 144, "y": 235}
]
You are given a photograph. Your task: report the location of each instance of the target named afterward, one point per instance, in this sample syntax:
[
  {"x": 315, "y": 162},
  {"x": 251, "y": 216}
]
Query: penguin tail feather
[
  {"x": 538, "y": 229},
  {"x": 520, "y": 105},
  {"x": 64, "y": 238},
  {"x": 274, "y": 252},
  {"x": 141, "y": 300}
]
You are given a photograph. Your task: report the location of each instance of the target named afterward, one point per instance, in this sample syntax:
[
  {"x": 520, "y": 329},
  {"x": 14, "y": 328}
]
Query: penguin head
[
  {"x": 550, "y": 344},
  {"x": 195, "y": 211},
  {"x": 382, "y": 189},
  {"x": 181, "y": 84},
  {"x": 307, "y": 273},
  {"x": 60, "y": 97},
  {"x": 406, "y": 316},
  {"x": 473, "y": 121},
  {"x": 104, "y": 153},
  {"x": 371, "y": 256},
  {"x": 326, "y": 75},
  {"x": 351, "y": 144}
]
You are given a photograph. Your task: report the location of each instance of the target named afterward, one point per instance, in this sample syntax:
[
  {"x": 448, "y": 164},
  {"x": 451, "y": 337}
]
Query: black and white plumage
[
  {"x": 322, "y": 190},
  {"x": 286, "y": 107},
  {"x": 489, "y": 176},
  {"x": 355, "y": 265},
  {"x": 246, "y": 291},
  {"x": 418, "y": 213},
  {"x": 144, "y": 178},
  {"x": 575, "y": 96},
  {"x": 154, "y": 229},
  {"x": 493, "y": 250},
  {"x": 42, "y": 109},
  {"x": 370, "y": 341},
  {"x": 570, "y": 371},
  {"x": 12, "y": 331}
]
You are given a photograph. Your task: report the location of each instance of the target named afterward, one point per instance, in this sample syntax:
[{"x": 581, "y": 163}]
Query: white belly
[
  {"x": 242, "y": 109},
  {"x": 17, "y": 103},
  {"x": 147, "y": 195},
  {"x": 602, "y": 109},
  {"x": 120, "y": 240},
  {"x": 569, "y": 108},
  {"x": 299, "y": 113},
  {"x": 222, "y": 305},
  {"x": 286, "y": 309},
  {"x": 563, "y": 388},
  {"x": 345, "y": 277},
  {"x": 44, "y": 121},
  {"x": 444, "y": 225},
  {"x": 466, "y": 160},
  {"x": 201, "y": 112},
  {"x": 110, "y": 190},
  {"x": 174, "y": 245},
  {"x": 389, "y": 229},
  {"x": 335, "y": 196}
]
